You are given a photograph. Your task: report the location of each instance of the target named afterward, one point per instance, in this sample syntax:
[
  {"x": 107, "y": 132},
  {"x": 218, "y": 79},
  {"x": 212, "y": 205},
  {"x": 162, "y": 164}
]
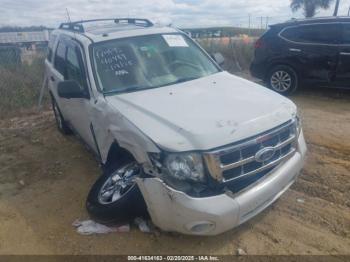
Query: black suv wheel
[{"x": 283, "y": 79}]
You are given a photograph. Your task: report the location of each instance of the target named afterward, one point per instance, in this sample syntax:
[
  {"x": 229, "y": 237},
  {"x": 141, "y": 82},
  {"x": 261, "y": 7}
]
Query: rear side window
[
  {"x": 73, "y": 67},
  {"x": 50, "y": 46},
  {"x": 315, "y": 34},
  {"x": 60, "y": 57},
  {"x": 346, "y": 33}
]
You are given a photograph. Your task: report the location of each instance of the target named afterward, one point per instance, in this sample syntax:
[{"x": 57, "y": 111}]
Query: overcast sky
[{"x": 184, "y": 13}]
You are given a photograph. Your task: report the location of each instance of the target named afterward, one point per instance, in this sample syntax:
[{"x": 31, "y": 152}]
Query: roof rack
[{"x": 78, "y": 25}]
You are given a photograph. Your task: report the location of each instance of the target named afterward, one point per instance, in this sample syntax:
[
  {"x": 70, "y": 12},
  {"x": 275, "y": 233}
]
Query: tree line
[{"x": 310, "y": 7}]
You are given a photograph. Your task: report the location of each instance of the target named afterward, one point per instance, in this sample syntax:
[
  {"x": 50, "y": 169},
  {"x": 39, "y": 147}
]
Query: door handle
[
  {"x": 52, "y": 78},
  {"x": 344, "y": 53},
  {"x": 294, "y": 50}
]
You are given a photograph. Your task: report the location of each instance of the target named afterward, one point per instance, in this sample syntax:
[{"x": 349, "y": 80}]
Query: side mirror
[
  {"x": 70, "y": 89},
  {"x": 219, "y": 58}
]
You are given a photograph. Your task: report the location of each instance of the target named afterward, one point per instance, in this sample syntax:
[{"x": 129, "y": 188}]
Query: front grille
[{"x": 241, "y": 163}]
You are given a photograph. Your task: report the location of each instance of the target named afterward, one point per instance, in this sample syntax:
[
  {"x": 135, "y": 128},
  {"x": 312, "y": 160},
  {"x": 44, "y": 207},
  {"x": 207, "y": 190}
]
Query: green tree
[{"x": 310, "y": 6}]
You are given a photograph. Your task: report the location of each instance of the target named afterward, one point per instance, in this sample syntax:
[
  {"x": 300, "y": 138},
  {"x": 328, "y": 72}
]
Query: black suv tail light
[{"x": 259, "y": 44}]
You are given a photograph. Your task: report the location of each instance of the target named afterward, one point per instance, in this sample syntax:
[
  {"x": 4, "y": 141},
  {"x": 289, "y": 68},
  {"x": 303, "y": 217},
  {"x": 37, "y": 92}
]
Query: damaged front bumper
[{"x": 175, "y": 211}]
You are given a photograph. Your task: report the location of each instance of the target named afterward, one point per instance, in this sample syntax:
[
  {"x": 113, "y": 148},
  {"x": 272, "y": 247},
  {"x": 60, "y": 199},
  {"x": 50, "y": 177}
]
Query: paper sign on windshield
[{"x": 175, "y": 40}]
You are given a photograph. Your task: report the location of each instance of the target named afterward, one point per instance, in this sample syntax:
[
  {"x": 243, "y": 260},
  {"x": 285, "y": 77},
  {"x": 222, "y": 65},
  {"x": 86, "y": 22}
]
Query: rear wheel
[
  {"x": 283, "y": 80},
  {"x": 60, "y": 122}
]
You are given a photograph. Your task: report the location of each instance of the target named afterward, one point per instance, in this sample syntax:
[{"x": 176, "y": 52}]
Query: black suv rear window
[{"x": 318, "y": 34}]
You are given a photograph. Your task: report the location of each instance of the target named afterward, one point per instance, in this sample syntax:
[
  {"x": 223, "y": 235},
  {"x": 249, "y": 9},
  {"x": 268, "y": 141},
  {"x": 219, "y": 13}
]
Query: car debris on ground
[
  {"x": 301, "y": 200},
  {"x": 90, "y": 227},
  {"x": 241, "y": 252}
]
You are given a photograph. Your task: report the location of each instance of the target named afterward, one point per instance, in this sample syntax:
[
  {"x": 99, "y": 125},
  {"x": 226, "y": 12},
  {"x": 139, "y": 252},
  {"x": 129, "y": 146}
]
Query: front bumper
[{"x": 175, "y": 211}]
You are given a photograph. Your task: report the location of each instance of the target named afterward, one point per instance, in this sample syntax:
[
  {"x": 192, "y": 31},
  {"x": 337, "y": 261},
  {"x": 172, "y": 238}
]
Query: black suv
[{"x": 301, "y": 52}]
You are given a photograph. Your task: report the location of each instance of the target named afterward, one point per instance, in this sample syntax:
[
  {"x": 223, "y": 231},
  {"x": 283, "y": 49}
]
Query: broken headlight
[{"x": 185, "y": 166}]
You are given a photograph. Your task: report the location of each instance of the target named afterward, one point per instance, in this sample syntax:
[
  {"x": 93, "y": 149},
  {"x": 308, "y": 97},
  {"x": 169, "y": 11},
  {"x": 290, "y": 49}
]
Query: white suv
[{"x": 197, "y": 149}]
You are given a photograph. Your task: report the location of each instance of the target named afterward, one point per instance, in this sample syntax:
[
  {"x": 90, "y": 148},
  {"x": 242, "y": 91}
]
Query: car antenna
[
  {"x": 68, "y": 16},
  {"x": 69, "y": 21}
]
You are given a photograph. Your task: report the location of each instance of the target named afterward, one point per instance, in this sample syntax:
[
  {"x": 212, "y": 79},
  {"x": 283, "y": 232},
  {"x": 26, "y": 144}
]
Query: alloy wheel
[
  {"x": 118, "y": 184},
  {"x": 281, "y": 81}
]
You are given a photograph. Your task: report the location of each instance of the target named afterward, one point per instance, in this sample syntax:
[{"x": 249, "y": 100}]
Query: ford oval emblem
[{"x": 265, "y": 154}]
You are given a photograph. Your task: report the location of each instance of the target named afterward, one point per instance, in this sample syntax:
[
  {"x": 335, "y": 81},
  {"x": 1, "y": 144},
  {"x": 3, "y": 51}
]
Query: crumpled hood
[{"x": 205, "y": 113}]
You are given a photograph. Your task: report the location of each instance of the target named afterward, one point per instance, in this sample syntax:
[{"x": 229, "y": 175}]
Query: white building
[{"x": 24, "y": 37}]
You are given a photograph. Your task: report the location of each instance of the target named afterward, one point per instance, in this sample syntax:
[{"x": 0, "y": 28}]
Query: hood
[{"x": 205, "y": 113}]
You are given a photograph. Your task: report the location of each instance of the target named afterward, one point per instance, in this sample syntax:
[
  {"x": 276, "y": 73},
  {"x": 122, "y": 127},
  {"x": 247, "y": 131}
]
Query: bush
[
  {"x": 238, "y": 52},
  {"x": 20, "y": 85}
]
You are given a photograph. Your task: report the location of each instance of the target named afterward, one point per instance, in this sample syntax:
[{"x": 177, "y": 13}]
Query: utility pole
[
  {"x": 336, "y": 8},
  {"x": 249, "y": 24},
  {"x": 261, "y": 22},
  {"x": 267, "y": 22}
]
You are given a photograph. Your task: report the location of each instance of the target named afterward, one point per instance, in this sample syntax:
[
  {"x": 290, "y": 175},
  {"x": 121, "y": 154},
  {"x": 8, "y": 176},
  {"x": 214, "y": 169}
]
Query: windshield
[{"x": 150, "y": 61}]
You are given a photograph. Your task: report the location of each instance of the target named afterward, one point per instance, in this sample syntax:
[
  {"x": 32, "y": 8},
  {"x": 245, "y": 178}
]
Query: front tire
[
  {"x": 283, "y": 79},
  {"x": 115, "y": 197}
]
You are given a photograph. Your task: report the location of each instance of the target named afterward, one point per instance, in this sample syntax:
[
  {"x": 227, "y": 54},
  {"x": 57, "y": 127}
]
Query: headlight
[{"x": 185, "y": 166}]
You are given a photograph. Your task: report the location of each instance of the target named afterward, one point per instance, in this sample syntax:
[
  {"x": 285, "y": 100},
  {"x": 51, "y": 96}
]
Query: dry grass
[
  {"x": 20, "y": 85},
  {"x": 238, "y": 52}
]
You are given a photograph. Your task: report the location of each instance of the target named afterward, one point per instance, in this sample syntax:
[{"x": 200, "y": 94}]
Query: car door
[
  {"x": 313, "y": 48},
  {"x": 343, "y": 69},
  {"x": 57, "y": 73},
  {"x": 78, "y": 109}
]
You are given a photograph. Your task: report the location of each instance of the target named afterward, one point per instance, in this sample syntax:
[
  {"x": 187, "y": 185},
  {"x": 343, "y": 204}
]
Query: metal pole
[
  {"x": 249, "y": 24},
  {"x": 42, "y": 91}
]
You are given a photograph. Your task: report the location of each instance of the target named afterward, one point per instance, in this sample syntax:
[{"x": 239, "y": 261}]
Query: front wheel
[
  {"x": 283, "y": 80},
  {"x": 115, "y": 197}
]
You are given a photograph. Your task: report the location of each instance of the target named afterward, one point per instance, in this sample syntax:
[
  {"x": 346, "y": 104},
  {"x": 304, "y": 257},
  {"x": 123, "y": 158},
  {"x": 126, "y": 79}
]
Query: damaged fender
[{"x": 120, "y": 130}]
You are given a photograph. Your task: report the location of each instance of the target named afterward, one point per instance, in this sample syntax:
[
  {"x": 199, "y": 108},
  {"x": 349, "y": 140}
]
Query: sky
[{"x": 181, "y": 13}]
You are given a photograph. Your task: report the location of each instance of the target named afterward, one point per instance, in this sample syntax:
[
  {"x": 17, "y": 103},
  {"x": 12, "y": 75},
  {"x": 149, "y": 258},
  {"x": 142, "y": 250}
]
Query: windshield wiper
[
  {"x": 125, "y": 90},
  {"x": 139, "y": 88},
  {"x": 180, "y": 80},
  {"x": 184, "y": 79}
]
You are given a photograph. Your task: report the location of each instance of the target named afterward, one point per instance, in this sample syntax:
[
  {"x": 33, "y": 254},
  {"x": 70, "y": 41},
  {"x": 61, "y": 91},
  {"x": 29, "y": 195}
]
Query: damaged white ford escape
[{"x": 197, "y": 149}]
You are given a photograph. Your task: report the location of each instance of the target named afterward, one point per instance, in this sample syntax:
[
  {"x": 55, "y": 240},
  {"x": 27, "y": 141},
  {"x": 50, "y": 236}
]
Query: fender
[{"x": 111, "y": 127}]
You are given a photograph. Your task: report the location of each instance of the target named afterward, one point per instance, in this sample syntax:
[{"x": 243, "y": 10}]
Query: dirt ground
[{"x": 45, "y": 178}]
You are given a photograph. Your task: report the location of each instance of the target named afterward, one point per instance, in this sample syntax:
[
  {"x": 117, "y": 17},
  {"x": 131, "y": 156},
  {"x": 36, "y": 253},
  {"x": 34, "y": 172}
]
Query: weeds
[
  {"x": 20, "y": 85},
  {"x": 238, "y": 52}
]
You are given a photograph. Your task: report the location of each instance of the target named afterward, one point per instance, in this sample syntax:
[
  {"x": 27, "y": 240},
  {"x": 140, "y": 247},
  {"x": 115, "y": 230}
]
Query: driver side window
[{"x": 74, "y": 71}]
